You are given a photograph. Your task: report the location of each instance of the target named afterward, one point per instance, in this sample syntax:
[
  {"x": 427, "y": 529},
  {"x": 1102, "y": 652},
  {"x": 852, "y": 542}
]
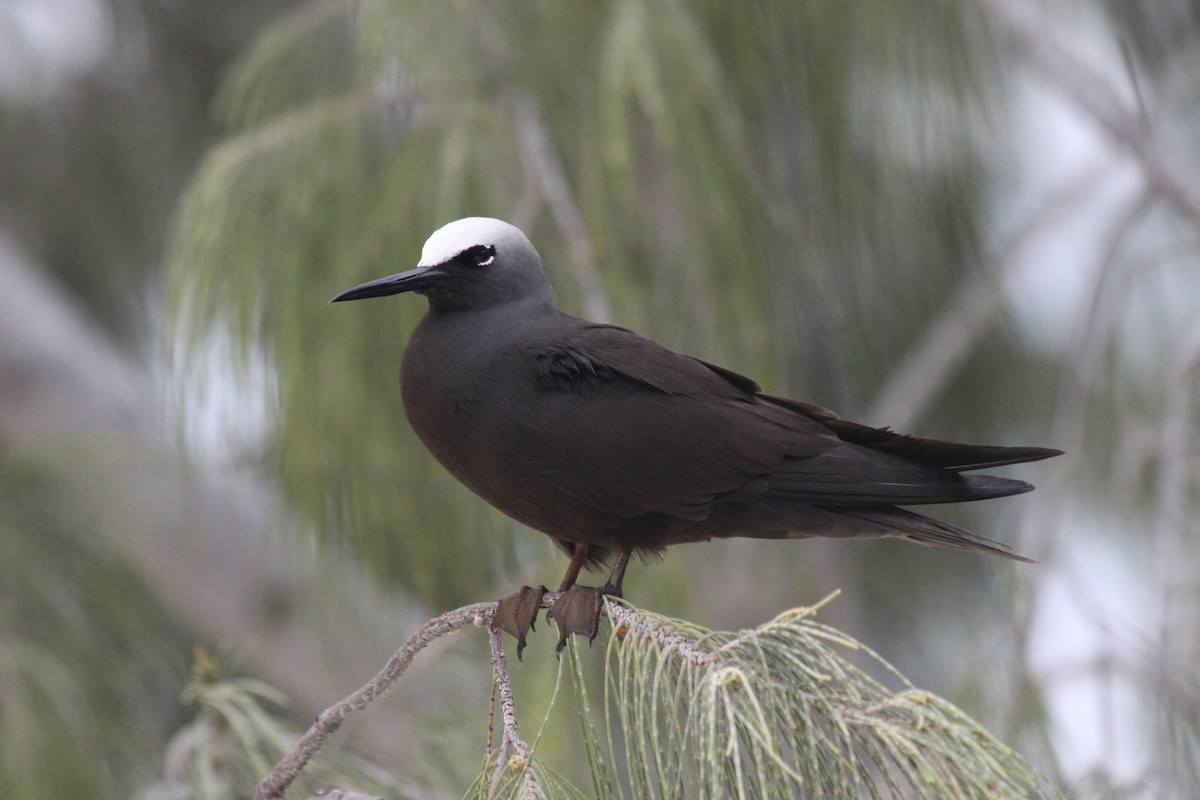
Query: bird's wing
[
  {"x": 947, "y": 455},
  {"x": 630, "y": 427}
]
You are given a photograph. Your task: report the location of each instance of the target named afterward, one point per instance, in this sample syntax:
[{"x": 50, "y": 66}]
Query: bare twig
[
  {"x": 545, "y": 170},
  {"x": 285, "y": 772},
  {"x": 949, "y": 338},
  {"x": 277, "y": 781},
  {"x": 894, "y": 717},
  {"x": 1087, "y": 342},
  {"x": 647, "y": 627},
  {"x": 1176, "y": 475},
  {"x": 543, "y": 163},
  {"x": 1169, "y": 172},
  {"x": 510, "y": 739},
  {"x": 1176, "y": 573}
]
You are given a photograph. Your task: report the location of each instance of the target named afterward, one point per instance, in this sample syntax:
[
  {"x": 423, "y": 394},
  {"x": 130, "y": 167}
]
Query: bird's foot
[
  {"x": 518, "y": 612},
  {"x": 577, "y": 610}
]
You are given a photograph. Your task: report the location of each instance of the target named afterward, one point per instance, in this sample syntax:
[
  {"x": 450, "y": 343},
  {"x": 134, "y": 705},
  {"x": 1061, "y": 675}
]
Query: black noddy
[{"x": 612, "y": 444}]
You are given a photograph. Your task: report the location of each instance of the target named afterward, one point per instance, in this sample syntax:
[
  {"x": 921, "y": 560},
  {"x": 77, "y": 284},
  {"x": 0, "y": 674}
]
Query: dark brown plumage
[{"x": 610, "y": 443}]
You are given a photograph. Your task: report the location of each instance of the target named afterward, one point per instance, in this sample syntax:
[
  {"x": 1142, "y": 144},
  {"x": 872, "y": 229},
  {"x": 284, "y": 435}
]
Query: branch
[
  {"x": 328, "y": 721},
  {"x": 1169, "y": 173},
  {"x": 283, "y": 774},
  {"x": 511, "y": 737},
  {"x": 542, "y": 161},
  {"x": 949, "y": 338},
  {"x": 696, "y": 707}
]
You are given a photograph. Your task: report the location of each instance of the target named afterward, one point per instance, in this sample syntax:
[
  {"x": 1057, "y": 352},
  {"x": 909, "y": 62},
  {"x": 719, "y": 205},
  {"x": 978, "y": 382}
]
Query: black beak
[{"x": 414, "y": 280}]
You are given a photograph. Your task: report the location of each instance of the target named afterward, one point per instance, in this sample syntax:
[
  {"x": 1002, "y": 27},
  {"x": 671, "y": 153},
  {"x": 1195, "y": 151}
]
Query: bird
[{"x": 614, "y": 445}]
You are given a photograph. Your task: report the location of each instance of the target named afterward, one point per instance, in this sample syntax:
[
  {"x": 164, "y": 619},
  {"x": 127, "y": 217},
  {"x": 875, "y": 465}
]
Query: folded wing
[{"x": 638, "y": 428}]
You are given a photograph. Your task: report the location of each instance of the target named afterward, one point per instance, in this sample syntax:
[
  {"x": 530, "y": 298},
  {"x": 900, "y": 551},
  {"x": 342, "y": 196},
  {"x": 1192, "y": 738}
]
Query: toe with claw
[
  {"x": 517, "y": 613},
  {"x": 577, "y": 610}
]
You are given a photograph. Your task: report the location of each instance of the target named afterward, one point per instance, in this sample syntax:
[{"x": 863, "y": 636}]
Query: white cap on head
[{"x": 453, "y": 238}]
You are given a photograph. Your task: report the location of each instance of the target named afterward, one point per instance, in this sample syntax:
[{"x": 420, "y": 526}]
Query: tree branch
[
  {"x": 285, "y": 772},
  {"x": 543, "y": 163},
  {"x": 949, "y": 338},
  {"x": 695, "y": 704},
  {"x": 1170, "y": 174},
  {"x": 511, "y": 737}
]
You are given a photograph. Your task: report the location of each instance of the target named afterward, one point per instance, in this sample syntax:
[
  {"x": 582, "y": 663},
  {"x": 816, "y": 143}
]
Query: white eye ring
[{"x": 487, "y": 262}]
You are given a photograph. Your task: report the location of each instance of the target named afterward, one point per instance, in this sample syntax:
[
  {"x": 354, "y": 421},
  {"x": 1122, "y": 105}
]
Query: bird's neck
[
  {"x": 447, "y": 344},
  {"x": 471, "y": 300},
  {"x": 488, "y": 321}
]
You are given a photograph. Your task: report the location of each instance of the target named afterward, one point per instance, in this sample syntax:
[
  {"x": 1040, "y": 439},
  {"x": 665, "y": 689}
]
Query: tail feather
[
  {"x": 927, "y": 531},
  {"x": 852, "y": 476}
]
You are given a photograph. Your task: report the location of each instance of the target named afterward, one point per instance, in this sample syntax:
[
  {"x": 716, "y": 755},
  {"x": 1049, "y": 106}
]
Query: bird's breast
[
  {"x": 481, "y": 411},
  {"x": 470, "y": 405}
]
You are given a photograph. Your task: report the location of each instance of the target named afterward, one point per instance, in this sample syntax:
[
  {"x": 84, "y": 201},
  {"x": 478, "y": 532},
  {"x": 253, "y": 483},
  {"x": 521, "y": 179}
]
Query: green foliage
[
  {"x": 235, "y": 736},
  {"x": 526, "y": 781},
  {"x": 788, "y": 709},
  {"x": 86, "y": 661},
  {"x": 791, "y": 708}
]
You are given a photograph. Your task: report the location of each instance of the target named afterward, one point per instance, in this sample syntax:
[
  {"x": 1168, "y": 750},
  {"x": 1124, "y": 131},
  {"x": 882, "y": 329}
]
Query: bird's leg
[
  {"x": 578, "y": 609},
  {"x": 517, "y": 613},
  {"x": 577, "y": 558},
  {"x": 617, "y": 576}
]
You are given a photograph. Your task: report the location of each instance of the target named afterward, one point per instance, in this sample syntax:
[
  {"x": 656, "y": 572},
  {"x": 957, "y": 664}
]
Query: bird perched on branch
[{"x": 611, "y": 444}]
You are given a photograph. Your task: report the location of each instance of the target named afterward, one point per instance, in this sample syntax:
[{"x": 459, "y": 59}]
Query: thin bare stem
[
  {"x": 542, "y": 161},
  {"x": 942, "y": 347},
  {"x": 737, "y": 687},
  {"x": 510, "y": 740},
  {"x": 647, "y": 627},
  {"x": 285, "y": 772},
  {"x": 1170, "y": 173}
]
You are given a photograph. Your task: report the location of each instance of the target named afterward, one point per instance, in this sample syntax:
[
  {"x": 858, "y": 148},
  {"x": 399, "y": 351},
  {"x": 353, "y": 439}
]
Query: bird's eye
[{"x": 481, "y": 255}]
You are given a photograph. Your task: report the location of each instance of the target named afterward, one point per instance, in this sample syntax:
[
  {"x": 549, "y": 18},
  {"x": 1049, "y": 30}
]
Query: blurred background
[{"x": 969, "y": 220}]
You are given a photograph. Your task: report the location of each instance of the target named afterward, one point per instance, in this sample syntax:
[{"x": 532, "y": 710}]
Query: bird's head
[{"x": 470, "y": 263}]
